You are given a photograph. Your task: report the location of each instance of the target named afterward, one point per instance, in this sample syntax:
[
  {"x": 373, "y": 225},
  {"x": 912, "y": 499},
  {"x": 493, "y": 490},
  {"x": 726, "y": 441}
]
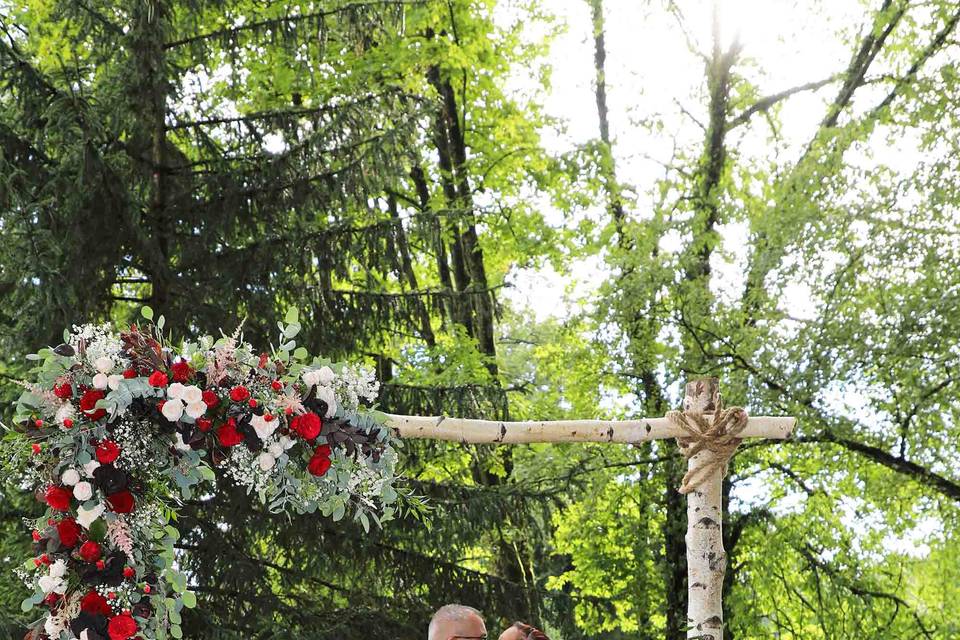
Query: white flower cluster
[
  {"x": 138, "y": 448},
  {"x": 245, "y": 468},
  {"x": 183, "y": 399},
  {"x": 355, "y": 384},
  {"x": 100, "y": 343}
]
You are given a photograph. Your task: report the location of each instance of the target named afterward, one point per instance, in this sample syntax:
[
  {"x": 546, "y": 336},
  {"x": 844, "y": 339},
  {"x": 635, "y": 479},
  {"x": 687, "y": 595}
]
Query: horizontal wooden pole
[{"x": 624, "y": 431}]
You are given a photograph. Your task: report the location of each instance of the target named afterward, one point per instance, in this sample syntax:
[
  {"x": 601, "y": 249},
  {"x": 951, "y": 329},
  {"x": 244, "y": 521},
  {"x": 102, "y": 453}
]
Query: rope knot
[{"x": 718, "y": 436}]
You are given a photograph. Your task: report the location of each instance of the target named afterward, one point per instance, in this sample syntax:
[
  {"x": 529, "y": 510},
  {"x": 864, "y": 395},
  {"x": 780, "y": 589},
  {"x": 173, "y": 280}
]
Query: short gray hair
[{"x": 450, "y": 613}]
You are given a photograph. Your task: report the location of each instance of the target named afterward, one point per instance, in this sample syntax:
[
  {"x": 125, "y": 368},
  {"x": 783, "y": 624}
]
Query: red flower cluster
[
  {"x": 307, "y": 426},
  {"x": 90, "y": 551},
  {"x": 69, "y": 532},
  {"x": 58, "y": 498},
  {"x": 158, "y": 379},
  {"x": 121, "y": 502},
  {"x": 320, "y": 461},
  {"x": 228, "y": 434},
  {"x": 88, "y": 402},
  {"x": 122, "y": 627},
  {"x": 107, "y": 452},
  {"x": 94, "y": 603},
  {"x": 181, "y": 371}
]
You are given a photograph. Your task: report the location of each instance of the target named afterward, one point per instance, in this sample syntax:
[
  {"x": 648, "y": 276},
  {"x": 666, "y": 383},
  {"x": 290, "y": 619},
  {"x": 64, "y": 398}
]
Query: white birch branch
[{"x": 623, "y": 431}]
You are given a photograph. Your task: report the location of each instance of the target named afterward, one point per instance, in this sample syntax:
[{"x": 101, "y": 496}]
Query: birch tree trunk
[{"x": 706, "y": 558}]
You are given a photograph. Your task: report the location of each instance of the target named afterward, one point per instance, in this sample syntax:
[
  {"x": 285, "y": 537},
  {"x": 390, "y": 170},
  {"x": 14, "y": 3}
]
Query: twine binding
[{"x": 718, "y": 437}]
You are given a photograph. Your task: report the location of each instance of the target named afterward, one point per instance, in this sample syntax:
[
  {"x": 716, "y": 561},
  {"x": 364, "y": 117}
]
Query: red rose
[
  {"x": 239, "y": 393},
  {"x": 210, "y": 399},
  {"x": 129, "y": 572},
  {"x": 319, "y": 464},
  {"x": 323, "y": 450},
  {"x": 158, "y": 379},
  {"x": 69, "y": 532},
  {"x": 107, "y": 451},
  {"x": 204, "y": 424},
  {"x": 307, "y": 425},
  {"x": 122, "y": 627},
  {"x": 181, "y": 371},
  {"x": 276, "y": 385},
  {"x": 63, "y": 391},
  {"x": 94, "y": 603},
  {"x": 228, "y": 434},
  {"x": 90, "y": 551},
  {"x": 88, "y": 402},
  {"x": 121, "y": 502},
  {"x": 58, "y": 497},
  {"x": 129, "y": 373}
]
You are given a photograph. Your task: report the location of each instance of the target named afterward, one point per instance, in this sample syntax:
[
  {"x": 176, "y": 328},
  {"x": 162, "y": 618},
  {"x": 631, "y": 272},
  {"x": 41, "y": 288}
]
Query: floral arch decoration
[{"x": 117, "y": 427}]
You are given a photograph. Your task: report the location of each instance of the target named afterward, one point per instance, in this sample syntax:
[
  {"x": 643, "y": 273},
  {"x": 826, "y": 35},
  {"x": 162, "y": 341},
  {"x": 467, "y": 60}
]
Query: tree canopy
[{"x": 391, "y": 169}]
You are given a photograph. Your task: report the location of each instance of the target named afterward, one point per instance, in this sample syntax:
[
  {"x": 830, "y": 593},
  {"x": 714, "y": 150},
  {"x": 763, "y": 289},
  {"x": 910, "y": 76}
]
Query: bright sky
[{"x": 652, "y": 74}]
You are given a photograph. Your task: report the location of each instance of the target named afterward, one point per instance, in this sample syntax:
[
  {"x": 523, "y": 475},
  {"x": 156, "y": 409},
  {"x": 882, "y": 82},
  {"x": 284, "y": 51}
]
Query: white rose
[
  {"x": 65, "y": 412},
  {"x": 311, "y": 378},
  {"x": 100, "y": 381},
  {"x": 172, "y": 410},
  {"x": 90, "y": 467},
  {"x": 192, "y": 394},
  {"x": 196, "y": 409},
  {"x": 325, "y": 375},
  {"x": 114, "y": 381},
  {"x": 58, "y": 569},
  {"x": 263, "y": 428},
  {"x": 286, "y": 442},
  {"x": 53, "y": 626},
  {"x": 50, "y": 584},
  {"x": 86, "y": 517},
  {"x": 175, "y": 390},
  {"x": 266, "y": 461},
  {"x": 83, "y": 491},
  {"x": 70, "y": 477},
  {"x": 179, "y": 443},
  {"x": 275, "y": 449},
  {"x": 103, "y": 364},
  {"x": 326, "y": 394}
]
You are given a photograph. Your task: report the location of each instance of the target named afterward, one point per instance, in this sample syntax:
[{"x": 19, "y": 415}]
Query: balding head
[{"x": 454, "y": 621}]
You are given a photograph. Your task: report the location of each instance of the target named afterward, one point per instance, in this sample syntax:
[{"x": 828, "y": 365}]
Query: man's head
[
  {"x": 522, "y": 631},
  {"x": 456, "y": 622}
]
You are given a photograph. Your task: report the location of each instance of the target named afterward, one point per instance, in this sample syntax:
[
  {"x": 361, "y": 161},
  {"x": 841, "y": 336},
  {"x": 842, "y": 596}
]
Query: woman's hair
[{"x": 530, "y": 633}]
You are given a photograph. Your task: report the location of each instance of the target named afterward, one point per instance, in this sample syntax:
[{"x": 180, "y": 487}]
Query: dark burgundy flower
[
  {"x": 94, "y": 624},
  {"x": 58, "y": 497},
  {"x": 110, "y": 479},
  {"x": 93, "y": 602},
  {"x": 88, "y": 402},
  {"x": 121, "y": 502},
  {"x": 143, "y": 609}
]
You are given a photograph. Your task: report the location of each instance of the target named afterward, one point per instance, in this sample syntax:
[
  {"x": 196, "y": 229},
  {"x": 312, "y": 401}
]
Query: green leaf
[
  {"x": 292, "y": 316},
  {"x": 146, "y": 312},
  {"x": 98, "y": 530},
  {"x": 189, "y": 599}
]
